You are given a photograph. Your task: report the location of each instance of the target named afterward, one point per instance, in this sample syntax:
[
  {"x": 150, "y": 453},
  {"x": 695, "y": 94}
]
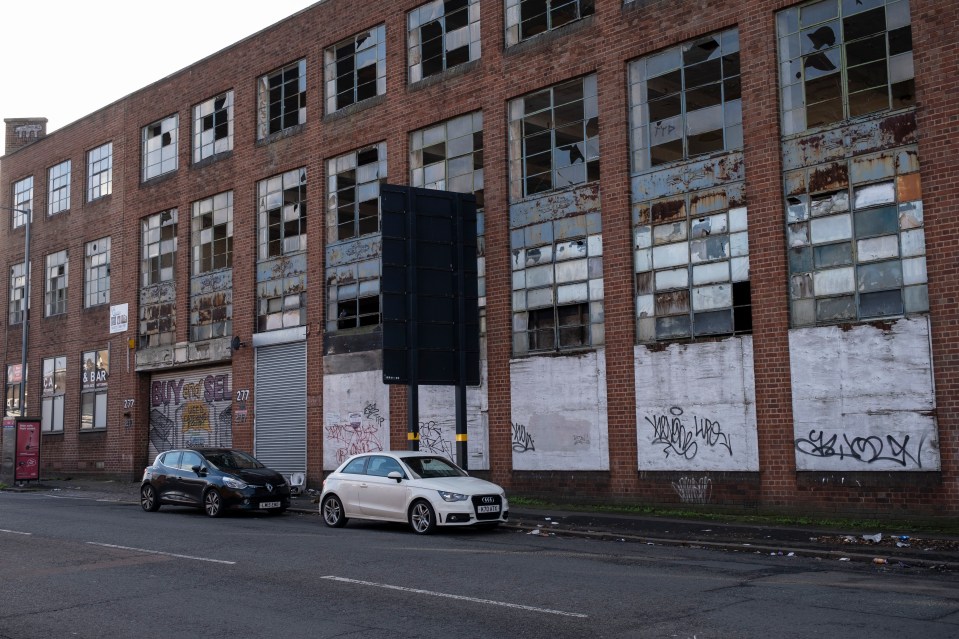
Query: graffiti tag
[
  {"x": 522, "y": 440},
  {"x": 692, "y": 490},
  {"x": 672, "y": 432},
  {"x": 431, "y": 440},
  {"x": 865, "y": 449},
  {"x": 358, "y": 434}
]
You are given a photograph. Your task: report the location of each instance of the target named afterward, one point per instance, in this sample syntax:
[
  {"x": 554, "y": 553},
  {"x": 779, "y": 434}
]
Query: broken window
[
  {"x": 100, "y": 172},
  {"x": 856, "y": 240},
  {"x": 354, "y": 296},
  {"x": 158, "y": 235},
  {"x": 52, "y": 394},
  {"x": 55, "y": 295},
  {"x": 160, "y": 147},
  {"x": 841, "y": 59},
  {"x": 449, "y": 156},
  {"x": 95, "y": 375},
  {"x": 554, "y": 138},
  {"x": 441, "y": 35},
  {"x": 356, "y": 69},
  {"x": 281, "y": 99},
  {"x": 211, "y": 289},
  {"x": 213, "y": 233},
  {"x": 691, "y": 257},
  {"x": 58, "y": 181},
  {"x": 22, "y": 201},
  {"x": 18, "y": 288},
  {"x": 558, "y": 293},
  {"x": 281, "y": 268},
  {"x": 527, "y": 18},
  {"x": 685, "y": 101},
  {"x": 213, "y": 126},
  {"x": 354, "y": 192},
  {"x": 97, "y": 270}
]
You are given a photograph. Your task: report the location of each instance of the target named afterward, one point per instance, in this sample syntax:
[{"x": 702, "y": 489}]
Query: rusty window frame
[
  {"x": 100, "y": 172},
  {"x": 355, "y": 69},
  {"x": 281, "y": 99},
  {"x": 819, "y": 45},
  {"x": 674, "y": 92},
  {"x": 550, "y": 131},
  {"x": 160, "y": 143},
  {"x": 213, "y": 126},
  {"x": 58, "y": 185},
  {"x": 56, "y": 280},
  {"x": 442, "y": 34},
  {"x": 212, "y": 230},
  {"x": 96, "y": 288},
  {"x": 551, "y": 284},
  {"x": 353, "y": 189},
  {"x": 18, "y": 287},
  {"x": 526, "y": 19},
  {"x": 874, "y": 266},
  {"x": 22, "y": 201}
]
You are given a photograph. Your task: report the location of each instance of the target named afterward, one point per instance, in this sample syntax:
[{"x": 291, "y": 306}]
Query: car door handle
[{"x": 363, "y": 485}]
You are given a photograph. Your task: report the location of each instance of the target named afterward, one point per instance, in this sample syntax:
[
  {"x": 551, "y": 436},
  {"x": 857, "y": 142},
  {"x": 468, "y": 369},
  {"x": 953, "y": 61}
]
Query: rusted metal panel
[
  {"x": 857, "y": 138},
  {"x": 555, "y": 206},
  {"x": 210, "y": 282},
  {"x": 690, "y": 176},
  {"x": 286, "y": 266},
  {"x": 163, "y": 292},
  {"x": 350, "y": 251}
]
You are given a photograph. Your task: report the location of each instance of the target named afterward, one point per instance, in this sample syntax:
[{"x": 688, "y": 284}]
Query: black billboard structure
[{"x": 430, "y": 297}]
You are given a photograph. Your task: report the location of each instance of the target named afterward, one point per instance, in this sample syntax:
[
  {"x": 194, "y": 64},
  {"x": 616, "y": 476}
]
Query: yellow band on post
[
  {"x": 461, "y": 438},
  {"x": 413, "y": 437}
]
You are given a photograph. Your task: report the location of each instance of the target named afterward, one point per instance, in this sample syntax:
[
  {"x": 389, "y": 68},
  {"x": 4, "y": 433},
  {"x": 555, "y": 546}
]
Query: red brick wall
[{"x": 602, "y": 44}]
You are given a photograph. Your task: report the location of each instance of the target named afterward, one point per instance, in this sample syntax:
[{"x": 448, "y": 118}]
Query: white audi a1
[{"x": 424, "y": 489}]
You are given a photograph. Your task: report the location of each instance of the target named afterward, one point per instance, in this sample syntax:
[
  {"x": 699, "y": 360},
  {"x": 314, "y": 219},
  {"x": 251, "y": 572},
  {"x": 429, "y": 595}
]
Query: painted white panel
[
  {"x": 438, "y": 422},
  {"x": 696, "y": 407},
  {"x": 356, "y": 415},
  {"x": 559, "y": 412},
  {"x": 863, "y": 398}
]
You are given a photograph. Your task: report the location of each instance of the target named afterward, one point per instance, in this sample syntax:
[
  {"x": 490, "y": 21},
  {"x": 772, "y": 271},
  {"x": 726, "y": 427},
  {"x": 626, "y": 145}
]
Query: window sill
[
  {"x": 443, "y": 76},
  {"x": 355, "y": 108},
  {"x": 158, "y": 179},
  {"x": 91, "y": 431},
  {"x": 546, "y": 39},
  {"x": 279, "y": 135},
  {"x": 212, "y": 159}
]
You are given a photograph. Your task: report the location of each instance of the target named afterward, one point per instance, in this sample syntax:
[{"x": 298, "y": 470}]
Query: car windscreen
[
  {"x": 429, "y": 467},
  {"x": 232, "y": 460}
]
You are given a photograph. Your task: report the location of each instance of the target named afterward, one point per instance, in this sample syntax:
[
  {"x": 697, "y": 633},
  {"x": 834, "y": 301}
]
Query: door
[
  {"x": 279, "y": 434},
  {"x": 191, "y": 482},
  {"x": 382, "y": 496}
]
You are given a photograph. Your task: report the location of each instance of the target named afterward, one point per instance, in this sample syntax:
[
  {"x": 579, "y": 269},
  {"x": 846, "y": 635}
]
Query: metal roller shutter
[{"x": 279, "y": 435}]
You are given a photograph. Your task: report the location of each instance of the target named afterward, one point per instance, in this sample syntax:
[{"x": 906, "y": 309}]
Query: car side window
[
  {"x": 356, "y": 467},
  {"x": 170, "y": 459},
  {"x": 383, "y": 466},
  {"x": 190, "y": 459}
]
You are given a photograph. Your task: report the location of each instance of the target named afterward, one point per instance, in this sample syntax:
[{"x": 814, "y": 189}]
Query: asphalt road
[{"x": 78, "y": 567}]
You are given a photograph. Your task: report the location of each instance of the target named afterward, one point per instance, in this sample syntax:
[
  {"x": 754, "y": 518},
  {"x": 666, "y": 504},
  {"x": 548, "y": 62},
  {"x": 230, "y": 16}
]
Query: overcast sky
[{"x": 63, "y": 59}]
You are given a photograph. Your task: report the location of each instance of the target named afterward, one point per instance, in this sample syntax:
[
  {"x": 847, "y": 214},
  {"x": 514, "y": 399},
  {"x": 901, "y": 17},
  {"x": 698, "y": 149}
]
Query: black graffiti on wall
[
  {"x": 522, "y": 440},
  {"x": 863, "y": 449},
  {"x": 678, "y": 438}
]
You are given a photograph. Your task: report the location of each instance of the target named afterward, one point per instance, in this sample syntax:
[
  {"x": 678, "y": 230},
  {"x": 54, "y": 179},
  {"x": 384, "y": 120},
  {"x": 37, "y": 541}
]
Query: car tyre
[
  {"x": 332, "y": 511},
  {"x": 149, "y": 499},
  {"x": 422, "y": 517},
  {"x": 213, "y": 503}
]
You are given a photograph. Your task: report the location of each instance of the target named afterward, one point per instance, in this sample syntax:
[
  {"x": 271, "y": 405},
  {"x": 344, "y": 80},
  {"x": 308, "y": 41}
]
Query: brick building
[{"x": 716, "y": 254}]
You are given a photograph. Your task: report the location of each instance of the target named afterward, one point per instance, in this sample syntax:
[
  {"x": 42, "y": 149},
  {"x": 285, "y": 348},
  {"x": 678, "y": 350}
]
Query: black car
[{"x": 215, "y": 479}]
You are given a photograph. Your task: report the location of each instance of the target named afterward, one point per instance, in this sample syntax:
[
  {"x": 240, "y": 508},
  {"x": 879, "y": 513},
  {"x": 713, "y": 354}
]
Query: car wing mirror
[
  {"x": 199, "y": 470},
  {"x": 397, "y": 475}
]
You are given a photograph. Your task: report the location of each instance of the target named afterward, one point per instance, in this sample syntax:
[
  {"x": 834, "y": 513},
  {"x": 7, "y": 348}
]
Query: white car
[{"x": 423, "y": 489}]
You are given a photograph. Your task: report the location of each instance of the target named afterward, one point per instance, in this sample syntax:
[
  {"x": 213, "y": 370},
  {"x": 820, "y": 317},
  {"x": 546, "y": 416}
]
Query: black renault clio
[{"x": 215, "y": 479}]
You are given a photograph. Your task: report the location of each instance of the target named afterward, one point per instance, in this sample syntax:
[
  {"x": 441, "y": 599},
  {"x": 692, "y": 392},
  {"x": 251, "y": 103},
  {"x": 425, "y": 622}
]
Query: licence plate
[
  {"x": 269, "y": 504},
  {"x": 487, "y": 509}
]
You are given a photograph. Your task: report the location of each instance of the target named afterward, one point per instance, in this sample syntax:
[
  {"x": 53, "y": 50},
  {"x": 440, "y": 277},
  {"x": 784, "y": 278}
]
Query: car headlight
[
  {"x": 448, "y": 496},
  {"x": 233, "y": 482}
]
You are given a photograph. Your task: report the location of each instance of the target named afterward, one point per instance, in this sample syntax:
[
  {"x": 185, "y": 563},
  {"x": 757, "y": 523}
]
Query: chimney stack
[{"x": 23, "y": 131}]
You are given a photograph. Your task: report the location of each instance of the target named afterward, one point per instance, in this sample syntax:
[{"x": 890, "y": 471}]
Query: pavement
[{"x": 887, "y": 548}]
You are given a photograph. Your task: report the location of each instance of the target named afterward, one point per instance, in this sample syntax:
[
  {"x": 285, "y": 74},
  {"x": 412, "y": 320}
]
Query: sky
[{"x": 64, "y": 59}]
